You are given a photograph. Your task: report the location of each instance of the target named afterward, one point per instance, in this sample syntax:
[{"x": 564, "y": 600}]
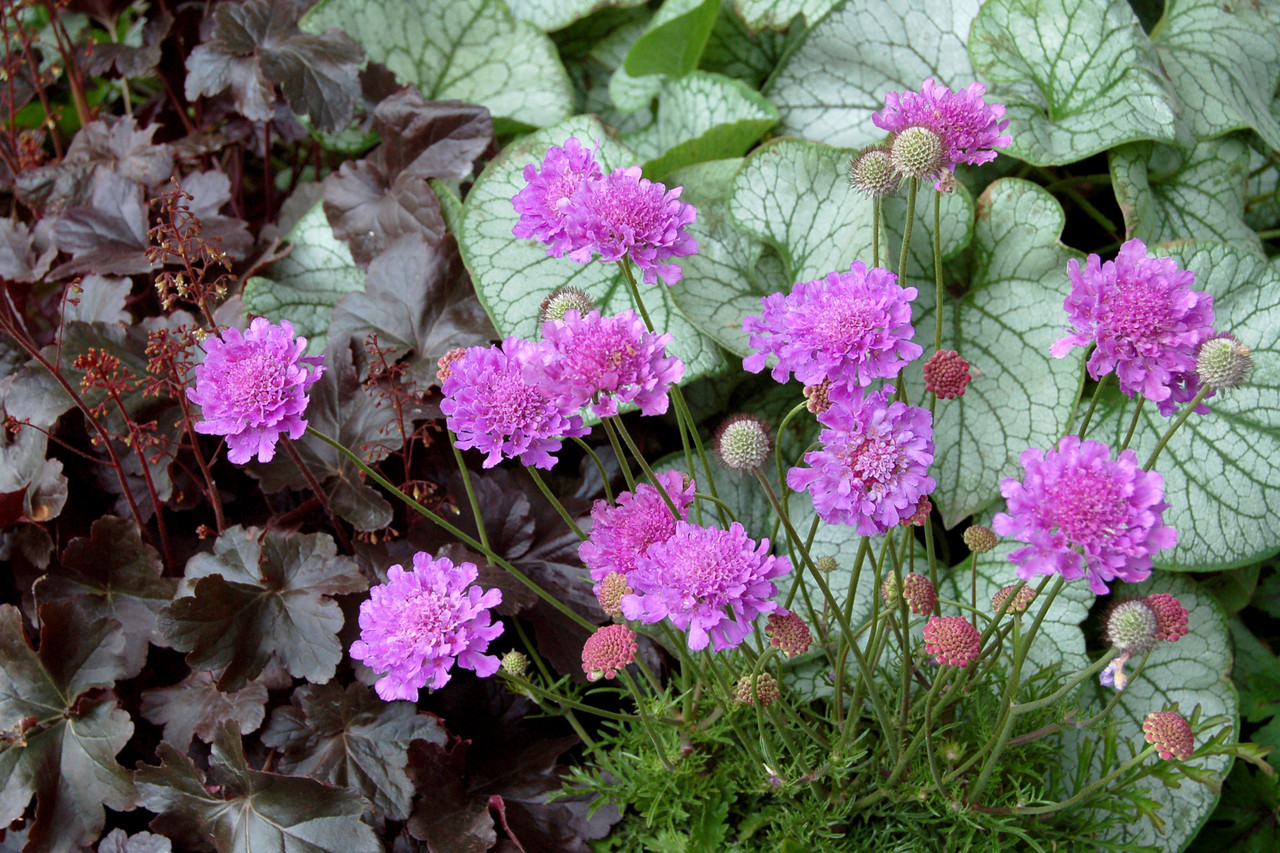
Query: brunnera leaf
[
  {"x": 352, "y": 739},
  {"x": 252, "y": 810},
  {"x": 65, "y": 756},
  {"x": 262, "y": 594}
]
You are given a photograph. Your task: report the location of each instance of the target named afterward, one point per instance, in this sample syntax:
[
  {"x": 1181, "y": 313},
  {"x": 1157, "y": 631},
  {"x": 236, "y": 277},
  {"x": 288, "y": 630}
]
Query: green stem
[
  {"x": 875, "y": 232},
  {"x": 644, "y": 465},
  {"x": 1083, "y": 793},
  {"x": 1173, "y": 427},
  {"x": 1133, "y": 424},
  {"x": 466, "y": 485},
  {"x": 913, "y": 189},
  {"x": 555, "y": 502},
  {"x": 1093, "y": 404},
  {"x": 937, "y": 269},
  {"x": 542, "y": 668},
  {"x": 617, "y": 452},
  {"x": 604, "y": 475},
  {"x": 463, "y": 537}
]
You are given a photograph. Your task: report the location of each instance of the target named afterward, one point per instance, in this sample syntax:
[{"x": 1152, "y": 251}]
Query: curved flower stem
[
  {"x": 875, "y": 231},
  {"x": 1133, "y": 424},
  {"x": 520, "y": 685},
  {"x": 644, "y": 465},
  {"x": 1083, "y": 793},
  {"x": 1173, "y": 427},
  {"x": 555, "y": 502},
  {"x": 1093, "y": 404},
  {"x": 937, "y": 270},
  {"x": 542, "y": 668},
  {"x": 461, "y": 536},
  {"x": 466, "y": 484},
  {"x": 645, "y": 720},
  {"x": 314, "y": 485},
  {"x": 617, "y": 452},
  {"x": 777, "y": 446},
  {"x": 604, "y": 476},
  {"x": 913, "y": 188}
]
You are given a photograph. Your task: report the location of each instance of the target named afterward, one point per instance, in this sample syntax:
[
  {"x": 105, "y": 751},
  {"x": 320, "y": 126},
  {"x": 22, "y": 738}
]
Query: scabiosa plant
[
  {"x": 1131, "y": 626},
  {"x": 917, "y": 590},
  {"x": 742, "y": 442},
  {"x": 946, "y": 374},
  {"x": 979, "y": 539},
  {"x": 418, "y": 624},
  {"x": 968, "y": 128},
  {"x": 548, "y": 195},
  {"x": 788, "y": 632},
  {"x": 621, "y": 534},
  {"x": 1144, "y": 318},
  {"x": 497, "y": 401},
  {"x": 952, "y": 640},
  {"x": 1083, "y": 514},
  {"x": 871, "y": 172},
  {"x": 607, "y": 360},
  {"x": 709, "y": 582},
  {"x": 253, "y": 386},
  {"x": 1171, "y": 616},
  {"x": 607, "y": 651},
  {"x": 610, "y": 591},
  {"x": 852, "y": 328},
  {"x": 763, "y": 687},
  {"x": 562, "y": 299},
  {"x": 1020, "y": 603},
  {"x": 871, "y": 470},
  {"x": 623, "y": 214},
  {"x": 1171, "y": 734}
]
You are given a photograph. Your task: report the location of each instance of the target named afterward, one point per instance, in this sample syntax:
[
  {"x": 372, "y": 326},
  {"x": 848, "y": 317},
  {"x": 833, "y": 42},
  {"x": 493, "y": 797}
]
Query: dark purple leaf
[
  {"x": 116, "y": 841},
  {"x": 257, "y": 44},
  {"x": 249, "y": 810},
  {"x": 369, "y": 215},
  {"x": 130, "y": 61},
  {"x": 434, "y": 139},
  {"x": 109, "y": 236},
  {"x": 418, "y": 299},
  {"x": 352, "y": 739},
  {"x": 20, "y": 259},
  {"x": 103, "y": 148},
  {"x": 210, "y": 192},
  {"x": 195, "y": 707},
  {"x": 115, "y": 573},
  {"x": 262, "y": 594},
  {"x": 66, "y": 756},
  {"x": 100, "y": 300},
  {"x": 447, "y": 817}
]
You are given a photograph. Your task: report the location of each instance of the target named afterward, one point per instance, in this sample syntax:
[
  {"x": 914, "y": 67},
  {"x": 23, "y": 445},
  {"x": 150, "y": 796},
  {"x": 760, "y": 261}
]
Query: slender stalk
[
  {"x": 542, "y": 668},
  {"x": 875, "y": 232},
  {"x": 1083, "y": 793},
  {"x": 617, "y": 452},
  {"x": 1133, "y": 424},
  {"x": 555, "y": 502},
  {"x": 644, "y": 465},
  {"x": 314, "y": 485},
  {"x": 604, "y": 476},
  {"x": 466, "y": 485},
  {"x": 1173, "y": 427},
  {"x": 913, "y": 188},
  {"x": 937, "y": 269},
  {"x": 1093, "y": 404}
]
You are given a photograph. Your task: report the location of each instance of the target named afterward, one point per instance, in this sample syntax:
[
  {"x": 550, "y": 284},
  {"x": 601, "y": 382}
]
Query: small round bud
[
  {"x": 916, "y": 589},
  {"x": 951, "y": 751},
  {"x": 979, "y": 539},
  {"x": 946, "y": 374},
  {"x": 946, "y": 182},
  {"x": 445, "y": 363},
  {"x": 788, "y": 633},
  {"x": 742, "y": 442},
  {"x": 1171, "y": 616},
  {"x": 1020, "y": 601},
  {"x": 1170, "y": 733},
  {"x": 871, "y": 172},
  {"x": 1131, "y": 626},
  {"x": 610, "y": 591},
  {"x": 952, "y": 640},
  {"x": 921, "y": 515},
  {"x": 819, "y": 402},
  {"x": 766, "y": 689},
  {"x": 826, "y": 564},
  {"x": 515, "y": 663},
  {"x": 917, "y": 152},
  {"x": 1223, "y": 362},
  {"x": 608, "y": 650},
  {"x": 563, "y": 299}
]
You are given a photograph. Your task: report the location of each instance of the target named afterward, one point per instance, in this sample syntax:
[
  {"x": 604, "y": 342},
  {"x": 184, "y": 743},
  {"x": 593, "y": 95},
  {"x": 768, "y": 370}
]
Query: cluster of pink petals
[
  {"x": 709, "y": 582},
  {"x": 253, "y": 386},
  {"x": 605, "y": 360},
  {"x": 608, "y": 651},
  {"x": 952, "y": 640},
  {"x": 1144, "y": 318},
  {"x": 1083, "y": 514},
  {"x": 968, "y": 127},
  {"x": 497, "y": 401},
  {"x": 414, "y": 627},
  {"x": 621, "y": 534},
  {"x": 572, "y": 206},
  {"x": 873, "y": 466},
  {"x": 548, "y": 195},
  {"x": 849, "y": 328}
]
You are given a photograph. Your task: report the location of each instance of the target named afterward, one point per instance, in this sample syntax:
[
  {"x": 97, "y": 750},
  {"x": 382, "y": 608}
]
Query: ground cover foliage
[{"x": 175, "y": 629}]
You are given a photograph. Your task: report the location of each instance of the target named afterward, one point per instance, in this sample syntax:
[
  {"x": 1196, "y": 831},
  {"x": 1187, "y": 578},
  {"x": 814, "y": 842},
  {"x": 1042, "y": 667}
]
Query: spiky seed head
[
  {"x": 742, "y": 442},
  {"x": 515, "y": 663},
  {"x": 1131, "y": 626},
  {"x": 1223, "y": 362},
  {"x": 871, "y": 172},
  {"x": 825, "y": 564},
  {"x": 563, "y": 299},
  {"x": 917, "y": 152}
]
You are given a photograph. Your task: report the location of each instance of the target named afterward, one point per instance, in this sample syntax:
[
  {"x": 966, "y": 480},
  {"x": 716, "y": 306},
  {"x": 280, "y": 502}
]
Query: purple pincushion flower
[
  {"x": 1145, "y": 319},
  {"x": 610, "y": 359},
  {"x": 497, "y": 401},
  {"x": 1083, "y": 514},
  {"x": 712, "y": 583},
  {"x": 621, "y": 534},
  {"x": 850, "y": 327},
  {"x": 873, "y": 467},
  {"x": 967, "y": 126},
  {"x": 548, "y": 195},
  {"x": 414, "y": 627},
  {"x": 625, "y": 214},
  {"x": 253, "y": 386}
]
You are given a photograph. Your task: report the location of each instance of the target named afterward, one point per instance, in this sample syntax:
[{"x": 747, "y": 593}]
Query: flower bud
[
  {"x": 946, "y": 374},
  {"x": 1131, "y": 626},
  {"x": 610, "y": 591},
  {"x": 1171, "y": 734},
  {"x": 788, "y": 633},
  {"x": 1223, "y": 362},
  {"x": 917, "y": 152},
  {"x": 766, "y": 689},
  {"x": 871, "y": 172},
  {"x": 515, "y": 663},
  {"x": 952, "y": 640},
  {"x": 608, "y": 650},
  {"x": 979, "y": 539}
]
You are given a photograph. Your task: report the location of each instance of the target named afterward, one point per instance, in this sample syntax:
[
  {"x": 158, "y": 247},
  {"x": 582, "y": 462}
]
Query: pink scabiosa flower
[
  {"x": 607, "y": 360},
  {"x": 621, "y": 534},
  {"x": 952, "y": 640},
  {"x": 1145, "y": 319},
  {"x": 418, "y": 624},
  {"x": 253, "y": 386},
  {"x": 788, "y": 632},
  {"x": 496, "y": 400},
  {"x": 1083, "y": 514},
  {"x": 625, "y": 214},
  {"x": 712, "y": 583},
  {"x": 548, "y": 195},
  {"x": 850, "y": 328},
  {"x": 1171, "y": 616},
  {"x": 967, "y": 127},
  {"x": 1171, "y": 734},
  {"x": 608, "y": 651},
  {"x": 872, "y": 469}
]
